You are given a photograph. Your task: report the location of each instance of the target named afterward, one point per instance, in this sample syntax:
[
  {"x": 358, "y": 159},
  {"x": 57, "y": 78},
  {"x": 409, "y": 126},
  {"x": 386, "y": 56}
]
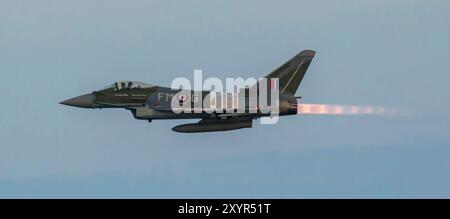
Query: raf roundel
[{"x": 182, "y": 97}]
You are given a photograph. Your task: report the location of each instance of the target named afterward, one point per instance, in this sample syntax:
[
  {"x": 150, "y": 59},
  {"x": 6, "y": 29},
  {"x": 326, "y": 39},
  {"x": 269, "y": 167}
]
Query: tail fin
[{"x": 292, "y": 72}]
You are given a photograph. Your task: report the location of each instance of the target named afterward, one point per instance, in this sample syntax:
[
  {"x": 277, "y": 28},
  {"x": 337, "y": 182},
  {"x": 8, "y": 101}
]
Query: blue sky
[{"x": 384, "y": 53}]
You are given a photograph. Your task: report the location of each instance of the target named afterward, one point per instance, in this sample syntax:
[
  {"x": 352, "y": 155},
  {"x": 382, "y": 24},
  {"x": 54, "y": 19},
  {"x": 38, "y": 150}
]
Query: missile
[{"x": 212, "y": 127}]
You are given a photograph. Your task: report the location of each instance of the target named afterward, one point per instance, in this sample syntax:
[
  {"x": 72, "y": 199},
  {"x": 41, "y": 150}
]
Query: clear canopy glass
[{"x": 122, "y": 85}]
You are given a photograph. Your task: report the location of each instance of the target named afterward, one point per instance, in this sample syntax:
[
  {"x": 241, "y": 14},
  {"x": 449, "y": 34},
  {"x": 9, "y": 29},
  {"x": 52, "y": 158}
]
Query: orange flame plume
[{"x": 326, "y": 109}]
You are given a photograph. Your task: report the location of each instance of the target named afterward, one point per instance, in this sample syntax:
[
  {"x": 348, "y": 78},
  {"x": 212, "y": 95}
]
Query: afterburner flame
[{"x": 326, "y": 109}]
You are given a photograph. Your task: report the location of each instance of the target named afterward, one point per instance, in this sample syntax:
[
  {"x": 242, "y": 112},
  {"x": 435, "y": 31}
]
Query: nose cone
[{"x": 83, "y": 101}]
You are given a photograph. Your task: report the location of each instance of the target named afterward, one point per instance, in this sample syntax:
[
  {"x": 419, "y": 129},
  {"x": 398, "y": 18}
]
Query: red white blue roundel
[{"x": 182, "y": 97}]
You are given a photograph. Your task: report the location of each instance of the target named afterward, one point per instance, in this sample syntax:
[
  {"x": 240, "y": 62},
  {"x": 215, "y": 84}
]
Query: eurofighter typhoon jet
[{"x": 150, "y": 102}]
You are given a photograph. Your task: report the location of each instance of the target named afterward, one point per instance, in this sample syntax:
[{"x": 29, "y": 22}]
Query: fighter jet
[{"x": 151, "y": 102}]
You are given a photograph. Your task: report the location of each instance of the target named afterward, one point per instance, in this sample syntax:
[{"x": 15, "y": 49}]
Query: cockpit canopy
[{"x": 126, "y": 85}]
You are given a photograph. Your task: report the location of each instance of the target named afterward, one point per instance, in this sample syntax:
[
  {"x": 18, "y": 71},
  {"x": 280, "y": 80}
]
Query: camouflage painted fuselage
[
  {"x": 149, "y": 102},
  {"x": 156, "y": 103}
]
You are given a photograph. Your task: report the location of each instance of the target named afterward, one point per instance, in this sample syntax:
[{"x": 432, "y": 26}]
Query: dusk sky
[{"x": 393, "y": 54}]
